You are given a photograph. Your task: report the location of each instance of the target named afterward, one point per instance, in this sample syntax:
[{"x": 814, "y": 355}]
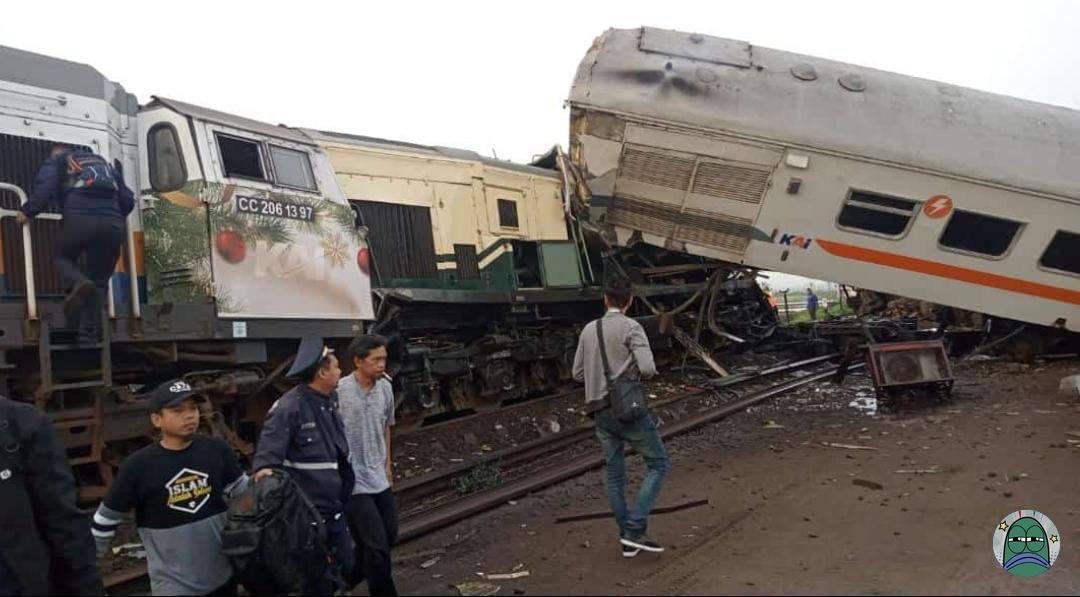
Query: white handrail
[
  {"x": 133, "y": 276},
  {"x": 28, "y": 254},
  {"x": 31, "y": 294}
]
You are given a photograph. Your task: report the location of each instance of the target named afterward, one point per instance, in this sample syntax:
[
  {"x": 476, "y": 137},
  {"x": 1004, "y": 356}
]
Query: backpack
[
  {"x": 275, "y": 538},
  {"x": 90, "y": 172}
]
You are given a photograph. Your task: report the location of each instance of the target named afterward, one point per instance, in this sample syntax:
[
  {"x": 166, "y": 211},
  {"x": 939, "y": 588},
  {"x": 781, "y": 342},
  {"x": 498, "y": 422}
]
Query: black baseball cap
[{"x": 171, "y": 393}]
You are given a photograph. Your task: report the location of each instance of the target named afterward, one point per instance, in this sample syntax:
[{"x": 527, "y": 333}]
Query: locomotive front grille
[{"x": 20, "y": 159}]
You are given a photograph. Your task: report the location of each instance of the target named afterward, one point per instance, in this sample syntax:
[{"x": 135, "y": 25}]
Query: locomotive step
[
  {"x": 75, "y": 347},
  {"x": 78, "y": 385}
]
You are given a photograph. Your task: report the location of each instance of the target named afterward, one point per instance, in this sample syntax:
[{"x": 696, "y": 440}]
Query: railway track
[
  {"x": 429, "y": 502},
  {"x": 446, "y": 512},
  {"x": 414, "y": 489}
]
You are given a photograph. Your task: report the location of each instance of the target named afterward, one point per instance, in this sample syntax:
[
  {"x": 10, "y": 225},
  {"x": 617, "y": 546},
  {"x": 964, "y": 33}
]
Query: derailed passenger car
[{"x": 791, "y": 163}]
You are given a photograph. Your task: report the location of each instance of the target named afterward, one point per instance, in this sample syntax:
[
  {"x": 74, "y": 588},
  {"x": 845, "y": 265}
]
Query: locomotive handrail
[
  {"x": 133, "y": 274},
  {"x": 28, "y": 254},
  {"x": 31, "y": 290}
]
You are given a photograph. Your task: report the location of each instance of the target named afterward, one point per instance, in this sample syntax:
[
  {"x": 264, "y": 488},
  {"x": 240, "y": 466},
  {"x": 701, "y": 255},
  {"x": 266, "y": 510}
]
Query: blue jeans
[{"x": 645, "y": 439}]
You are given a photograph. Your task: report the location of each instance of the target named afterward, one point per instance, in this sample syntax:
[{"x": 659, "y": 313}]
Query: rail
[
  {"x": 28, "y": 260},
  {"x": 28, "y": 253}
]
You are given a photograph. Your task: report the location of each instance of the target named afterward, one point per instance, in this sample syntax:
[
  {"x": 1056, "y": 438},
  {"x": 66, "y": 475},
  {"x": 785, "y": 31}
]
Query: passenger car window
[
  {"x": 508, "y": 215},
  {"x": 292, "y": 168},
  {"x": 985, "y": 235},
  {"x": 240, "y": 157},
  {"x": 878, "y": 214},
  {"x": 1063, "y": 253},
  {"x": 167, "y": 171}
]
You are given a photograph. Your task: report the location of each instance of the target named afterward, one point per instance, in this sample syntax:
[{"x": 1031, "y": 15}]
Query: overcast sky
[{"x": 492, "y": 76}]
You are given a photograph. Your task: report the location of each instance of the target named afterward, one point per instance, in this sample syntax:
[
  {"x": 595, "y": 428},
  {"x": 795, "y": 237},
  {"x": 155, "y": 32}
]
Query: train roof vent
[{"x": 695, "y": 46}]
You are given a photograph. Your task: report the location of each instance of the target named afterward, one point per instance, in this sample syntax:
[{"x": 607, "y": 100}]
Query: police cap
[{"x": 311, "y": 351}]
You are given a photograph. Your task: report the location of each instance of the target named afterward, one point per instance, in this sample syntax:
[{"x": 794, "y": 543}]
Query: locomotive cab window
[
  {"x": 876, "y": 214},
  {"x": 986, "y": 236},
  {"x": 240, "y": 157},
  {"x": 167, "y": 171},
  {"x": 1063, "y": 253},
  {"x": 508, "y": 215},
  {"x": 292, "y": 168}
]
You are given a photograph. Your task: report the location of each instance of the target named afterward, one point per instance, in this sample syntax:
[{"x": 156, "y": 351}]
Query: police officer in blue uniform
[{"x": 303, "y": 436}]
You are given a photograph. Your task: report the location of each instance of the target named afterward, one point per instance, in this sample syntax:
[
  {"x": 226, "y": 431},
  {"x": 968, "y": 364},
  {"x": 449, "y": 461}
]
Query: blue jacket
[
  {"x": 50, "y": 187},
  {"x": 303, "y": 435},
  {"x": 812, "y": 302}
]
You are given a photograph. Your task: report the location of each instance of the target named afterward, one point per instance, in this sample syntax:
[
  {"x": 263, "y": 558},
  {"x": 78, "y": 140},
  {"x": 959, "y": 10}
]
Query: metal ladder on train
[{"x": 91, "y": 418}]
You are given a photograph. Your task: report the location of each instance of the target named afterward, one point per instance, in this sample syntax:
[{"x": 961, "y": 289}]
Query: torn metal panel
[{"x": 698, "y": 351}]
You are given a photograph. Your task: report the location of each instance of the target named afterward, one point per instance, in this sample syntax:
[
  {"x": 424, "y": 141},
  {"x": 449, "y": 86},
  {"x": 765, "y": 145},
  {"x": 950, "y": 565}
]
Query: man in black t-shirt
[{"x": 177, "y": 487}]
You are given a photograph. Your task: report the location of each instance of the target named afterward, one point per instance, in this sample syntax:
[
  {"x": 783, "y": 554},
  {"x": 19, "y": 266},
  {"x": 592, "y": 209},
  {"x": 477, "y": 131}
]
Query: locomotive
[{"x": 248, "y": 236}]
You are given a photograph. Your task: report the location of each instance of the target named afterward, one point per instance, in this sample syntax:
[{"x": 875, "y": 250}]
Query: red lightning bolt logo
[{"x": 938, "y": 206}]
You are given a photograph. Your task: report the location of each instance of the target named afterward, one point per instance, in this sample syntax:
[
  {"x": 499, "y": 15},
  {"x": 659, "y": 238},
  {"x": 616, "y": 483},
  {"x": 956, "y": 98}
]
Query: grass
[
  {"x": 835, "y": 309},
  {"x": 481, "y": 476}
]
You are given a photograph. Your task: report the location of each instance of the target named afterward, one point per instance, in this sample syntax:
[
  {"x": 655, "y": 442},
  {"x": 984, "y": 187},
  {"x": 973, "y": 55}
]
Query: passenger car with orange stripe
[{"x": 887, "y": 182}]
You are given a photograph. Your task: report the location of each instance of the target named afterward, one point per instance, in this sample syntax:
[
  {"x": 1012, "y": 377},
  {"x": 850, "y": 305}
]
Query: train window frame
[
  {"x": 499, "y": 203},
  {"x": 1042, "y": 255},
  {"x": 151, "y": 158},
  {"x": 1020, "y": 226},
  {"x": 314, "y": 188},
  {"x": 266, "y": 179},
  {"x": 849, "y": 198}
]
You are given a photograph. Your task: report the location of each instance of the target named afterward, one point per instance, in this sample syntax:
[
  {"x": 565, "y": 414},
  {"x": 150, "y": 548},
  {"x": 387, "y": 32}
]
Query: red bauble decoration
[
  {"x": 230, "y": 245},
  {"x": 363, "y": 260}
]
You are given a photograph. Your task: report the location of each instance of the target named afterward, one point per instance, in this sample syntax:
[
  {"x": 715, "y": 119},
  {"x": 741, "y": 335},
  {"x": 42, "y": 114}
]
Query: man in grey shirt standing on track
[
  {"x": 627, "y": 349},
  {"x": 366, "y": 403}
]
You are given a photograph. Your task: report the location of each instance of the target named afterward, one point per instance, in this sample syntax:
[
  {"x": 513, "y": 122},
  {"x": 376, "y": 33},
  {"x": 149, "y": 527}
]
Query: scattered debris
[
  {"x": 429, "y": 563},
  {"x": 130, "y": 550},
  {"x": 919, "y": 471},
  {"x": 606, "y": 514},
  {"x": 868, "y": 484},
  {"x": 847, "y": 446},
  {"x": 1070, "y": 386},
  {"x": 770, "y": 424},
  {"x": 471, "y": 588},
  {"x": 507, "y": 575}
]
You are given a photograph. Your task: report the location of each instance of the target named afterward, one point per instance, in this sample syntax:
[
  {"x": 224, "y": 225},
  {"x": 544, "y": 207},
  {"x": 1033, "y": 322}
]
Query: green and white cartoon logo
[{"x": 1026, "y": 543}]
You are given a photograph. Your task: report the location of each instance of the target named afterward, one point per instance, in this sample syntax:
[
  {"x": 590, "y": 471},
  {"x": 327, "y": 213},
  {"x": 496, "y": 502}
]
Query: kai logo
[
  {"x": 793, "y": 240},
  {"x": 188, "y": 491},
  {"x": 1026, "y": 543}
]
